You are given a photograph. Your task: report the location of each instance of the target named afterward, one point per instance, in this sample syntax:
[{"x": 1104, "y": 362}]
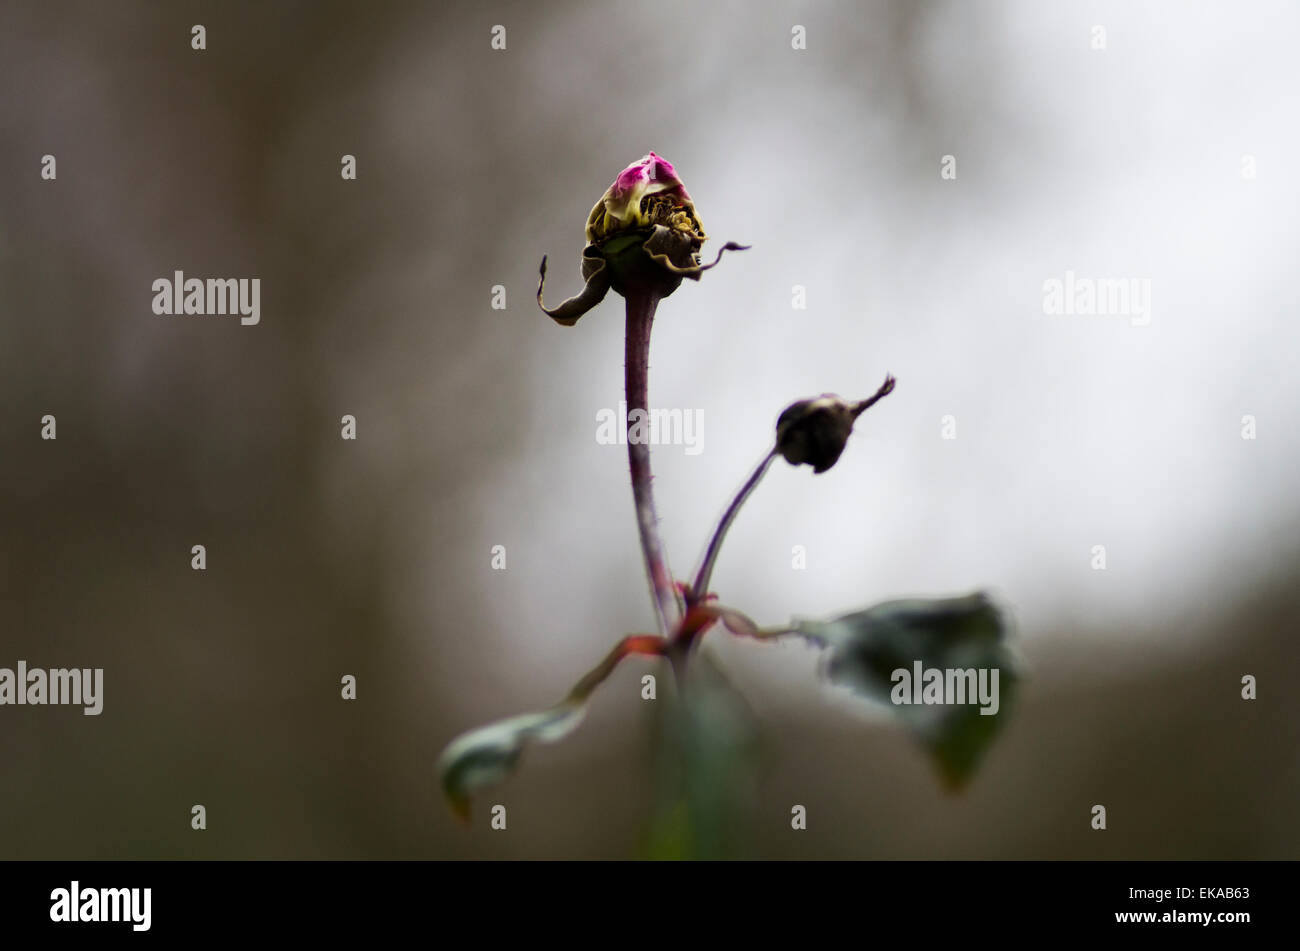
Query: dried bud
[
  {"x": 647, "y": 192},
  {"x": 815, "y": 431},
  {"x": 642, "y": 236}
]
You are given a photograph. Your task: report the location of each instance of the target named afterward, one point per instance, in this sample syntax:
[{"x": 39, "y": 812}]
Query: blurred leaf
[
  {"x": 487, "y": 755},
  {"x": 866, "y": 648}
]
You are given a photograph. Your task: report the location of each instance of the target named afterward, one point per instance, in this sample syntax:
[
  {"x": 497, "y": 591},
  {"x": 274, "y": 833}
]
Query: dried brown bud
[{"x": 815, "y": 431}]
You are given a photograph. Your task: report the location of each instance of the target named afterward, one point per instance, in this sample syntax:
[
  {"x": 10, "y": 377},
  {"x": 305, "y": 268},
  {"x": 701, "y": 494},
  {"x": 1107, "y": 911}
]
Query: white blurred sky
[{"x": 1072, "y": 431}]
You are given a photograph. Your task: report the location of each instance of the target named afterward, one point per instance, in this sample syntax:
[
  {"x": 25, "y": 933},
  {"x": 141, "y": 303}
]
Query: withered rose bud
[
  {"x": 643, "y": 236},
  {"x": 816, "y": 431},
  {"x": 647, "y": 192}
]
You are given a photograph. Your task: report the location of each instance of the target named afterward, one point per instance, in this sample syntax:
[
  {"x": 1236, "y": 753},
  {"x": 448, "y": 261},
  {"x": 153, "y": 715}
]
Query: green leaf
[
  {"x": 487, "y": 755},
  {"x": 870, "y": 651},
  {"x": 709, "y": 745}
]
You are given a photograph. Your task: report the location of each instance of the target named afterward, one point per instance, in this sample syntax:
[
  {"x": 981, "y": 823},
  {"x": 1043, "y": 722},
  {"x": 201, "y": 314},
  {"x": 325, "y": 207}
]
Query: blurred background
[{"x": 476, "y": 427}]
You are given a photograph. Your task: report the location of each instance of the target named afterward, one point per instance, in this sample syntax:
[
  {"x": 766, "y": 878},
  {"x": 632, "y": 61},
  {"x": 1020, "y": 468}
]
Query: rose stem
[
  {"x": 641, "y": 304},
  {"x": 700, "y": 587}
]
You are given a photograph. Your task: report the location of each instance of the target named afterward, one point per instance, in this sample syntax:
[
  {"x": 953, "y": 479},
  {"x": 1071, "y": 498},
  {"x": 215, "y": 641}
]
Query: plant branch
[
  {"x": 641, "y": 304},
  {"x": 700, "y": 587},
  {"x": 647, "y": 644},
  {"x": 484, "y": 756}
]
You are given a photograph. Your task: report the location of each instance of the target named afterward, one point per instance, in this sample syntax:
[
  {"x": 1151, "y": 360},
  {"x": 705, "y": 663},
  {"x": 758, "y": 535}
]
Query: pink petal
[{"x": 649, "y": 175}]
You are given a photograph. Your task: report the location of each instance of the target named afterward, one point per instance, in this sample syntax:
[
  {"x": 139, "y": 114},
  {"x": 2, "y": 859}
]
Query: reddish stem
[
  {"x": 646, "y": 644},
  {"x": 699, "y": 590},
  {"x": 641, "y": 305}
]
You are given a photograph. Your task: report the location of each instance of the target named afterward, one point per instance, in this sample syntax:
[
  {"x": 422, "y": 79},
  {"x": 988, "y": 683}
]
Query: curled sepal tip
[
  {"x": 692, "y": 271},
  {"x": 567, "y": 313}
]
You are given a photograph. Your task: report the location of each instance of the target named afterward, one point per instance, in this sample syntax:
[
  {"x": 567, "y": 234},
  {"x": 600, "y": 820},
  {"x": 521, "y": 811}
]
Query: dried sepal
[{"x": 597, "y": 277}]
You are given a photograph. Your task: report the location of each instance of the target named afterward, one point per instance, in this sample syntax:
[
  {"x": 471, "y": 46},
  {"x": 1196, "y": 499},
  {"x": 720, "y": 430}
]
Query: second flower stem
[{"x": 700, "y": 587}]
